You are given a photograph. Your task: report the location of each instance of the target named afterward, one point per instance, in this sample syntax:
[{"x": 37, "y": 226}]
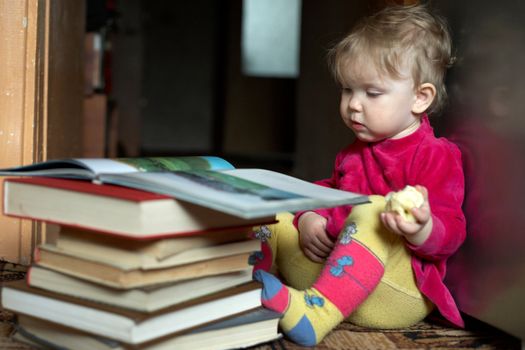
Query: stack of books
[{"x": 160, "y": 262}]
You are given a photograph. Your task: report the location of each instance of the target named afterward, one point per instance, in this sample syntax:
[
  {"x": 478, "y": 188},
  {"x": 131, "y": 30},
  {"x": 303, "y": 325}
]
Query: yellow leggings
[{"x": 395, "y": 303}]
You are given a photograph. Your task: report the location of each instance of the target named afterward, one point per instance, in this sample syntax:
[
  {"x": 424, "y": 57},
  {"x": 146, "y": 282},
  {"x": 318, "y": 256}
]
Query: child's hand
[
  {"x": 414, "y": 232},
  {"x": 313, "y": 238}
]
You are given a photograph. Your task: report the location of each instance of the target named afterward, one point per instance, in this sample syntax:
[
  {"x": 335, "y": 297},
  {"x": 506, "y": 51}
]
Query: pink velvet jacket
[{"x": 390, "y": 165}]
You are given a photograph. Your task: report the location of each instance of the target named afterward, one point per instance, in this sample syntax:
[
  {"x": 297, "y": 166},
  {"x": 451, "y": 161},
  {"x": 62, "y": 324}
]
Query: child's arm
[
  {"x": 315, "y": 241},
  {"x": 439, "y": 170}
]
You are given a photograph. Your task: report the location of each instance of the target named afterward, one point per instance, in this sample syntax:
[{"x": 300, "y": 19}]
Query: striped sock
[{"x": 349, "y": 276}]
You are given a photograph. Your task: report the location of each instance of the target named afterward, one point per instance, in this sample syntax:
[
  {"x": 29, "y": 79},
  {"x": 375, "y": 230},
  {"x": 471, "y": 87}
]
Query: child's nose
[{"x": 354, "y": 103}]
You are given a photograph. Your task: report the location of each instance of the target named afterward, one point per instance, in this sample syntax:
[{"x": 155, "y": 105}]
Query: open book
[{"x": 206, "y": 181}]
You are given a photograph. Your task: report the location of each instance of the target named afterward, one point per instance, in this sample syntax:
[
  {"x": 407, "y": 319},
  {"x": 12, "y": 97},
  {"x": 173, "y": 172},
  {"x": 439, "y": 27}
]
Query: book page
[
  {"x": 247, "y": 194},
  {"x": 145, "y": 164},
  {"x": 176, "y": 163},
  {"x": 90, "y": 167},
  {"x": 102, "y": 165},
  {"x": 291, "y": 184}
]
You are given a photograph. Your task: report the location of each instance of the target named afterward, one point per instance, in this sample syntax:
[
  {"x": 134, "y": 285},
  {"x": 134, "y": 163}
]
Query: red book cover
[
  {"x": 87, "y": 186},
  {"x": 196, "y": 219}
]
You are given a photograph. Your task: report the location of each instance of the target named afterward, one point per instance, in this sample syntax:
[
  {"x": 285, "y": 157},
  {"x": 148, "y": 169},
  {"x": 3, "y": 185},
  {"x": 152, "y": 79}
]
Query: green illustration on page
[
  {"x": 176, "y": 163},
  {"x": 232, "y": 184}
]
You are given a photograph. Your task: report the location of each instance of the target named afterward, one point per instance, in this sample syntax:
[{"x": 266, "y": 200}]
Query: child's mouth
[{"x": 357, "y": 126}]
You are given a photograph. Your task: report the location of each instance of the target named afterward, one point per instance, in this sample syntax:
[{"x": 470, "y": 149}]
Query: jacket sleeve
[{"x": 440, "y": 170}]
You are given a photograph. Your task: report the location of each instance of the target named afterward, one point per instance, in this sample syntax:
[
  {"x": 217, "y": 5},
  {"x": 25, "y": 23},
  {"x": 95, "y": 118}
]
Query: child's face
[{"x": 375, "y": 106}]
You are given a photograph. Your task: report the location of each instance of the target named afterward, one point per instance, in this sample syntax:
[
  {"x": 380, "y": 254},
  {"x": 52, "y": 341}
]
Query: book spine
[
  {"x": 147, "y": 236},
  {"x": 36, "y": 254},
  {"x": 28, "y": 275}
]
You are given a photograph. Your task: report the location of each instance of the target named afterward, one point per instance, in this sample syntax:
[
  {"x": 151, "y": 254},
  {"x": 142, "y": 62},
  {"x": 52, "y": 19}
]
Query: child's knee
[
  {"x": 284, "y": 219},
  {"x": 282, "y": 237},
  {"x": 269, "y": 233},
  {"x": 284, "y": 231},
  {"x": 368, "y": 211},
  {"x": 364, "y": 225},
  {"x": 364, "y": 219}
]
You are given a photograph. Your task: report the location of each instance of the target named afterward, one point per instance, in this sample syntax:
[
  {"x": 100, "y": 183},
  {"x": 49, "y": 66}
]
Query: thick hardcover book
[
  {"x": 114, "y": 276},
  {"x": 145, "y": 299},
  {"x": 113, "y": 209},
  {"x": 129, "y": 262},
  {"x": 148, "y": 253},
  {"x": 205, "y": 181},
  {"x": 125, "y": 325},
  {"x": 242, "y": 331}
]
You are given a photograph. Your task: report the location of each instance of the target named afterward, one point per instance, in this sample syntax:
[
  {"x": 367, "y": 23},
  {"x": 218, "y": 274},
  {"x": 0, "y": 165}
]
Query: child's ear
[{"x": 425, "y": 94}]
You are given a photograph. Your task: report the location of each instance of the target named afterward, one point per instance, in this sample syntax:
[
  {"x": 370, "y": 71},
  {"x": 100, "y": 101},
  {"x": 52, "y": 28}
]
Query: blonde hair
[{"x": 395, "y": 36}]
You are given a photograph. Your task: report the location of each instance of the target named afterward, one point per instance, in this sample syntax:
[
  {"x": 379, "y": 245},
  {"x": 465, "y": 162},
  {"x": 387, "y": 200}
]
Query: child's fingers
[
  {"x": 312, "y": 256},
  {"x": 422, "y": 215},
  {"x": 321, "y": 248},
  {"x": 406, "y": 227},
  {"x": 395, "y": 223},
  {"x": 319, "y": 251},
  {"x": 390, "y": 222},
  {"x": 423, "y": 191},
  {"x": 325, "y": 240}
]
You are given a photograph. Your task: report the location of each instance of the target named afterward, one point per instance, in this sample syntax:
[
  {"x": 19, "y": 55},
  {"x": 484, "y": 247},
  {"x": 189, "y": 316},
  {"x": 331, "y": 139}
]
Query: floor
[{"x": 430, "y": 334}]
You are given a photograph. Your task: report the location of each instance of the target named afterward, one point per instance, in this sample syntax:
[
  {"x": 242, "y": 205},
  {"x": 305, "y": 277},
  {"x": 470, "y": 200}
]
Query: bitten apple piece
[{"x": 403, "y": 201}]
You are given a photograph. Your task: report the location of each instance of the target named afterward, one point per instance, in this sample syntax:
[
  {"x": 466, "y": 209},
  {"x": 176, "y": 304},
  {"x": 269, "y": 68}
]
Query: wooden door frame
[{"x": 33, "y": 95}]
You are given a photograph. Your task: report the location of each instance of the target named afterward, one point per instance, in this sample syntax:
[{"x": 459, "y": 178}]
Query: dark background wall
[
  {"x": 187, "y": 95},
  {"x": 179, "y": 67}
]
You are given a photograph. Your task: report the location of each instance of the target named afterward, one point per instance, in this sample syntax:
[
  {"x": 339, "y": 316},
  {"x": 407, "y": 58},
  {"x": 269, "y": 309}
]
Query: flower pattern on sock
[
  {"x": 348, "y": 231},
  {"x": 312, "y": 300},
  {"x": 262, "y": 233},
  {"x": 338, "y": 269},
  {"x": 255, "y": 257}
]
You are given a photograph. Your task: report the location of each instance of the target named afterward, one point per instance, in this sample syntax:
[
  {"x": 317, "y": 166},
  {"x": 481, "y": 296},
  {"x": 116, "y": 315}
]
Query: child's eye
[
  {"x": 373, "y": 93},
  {"x": 346, "y": 90}
]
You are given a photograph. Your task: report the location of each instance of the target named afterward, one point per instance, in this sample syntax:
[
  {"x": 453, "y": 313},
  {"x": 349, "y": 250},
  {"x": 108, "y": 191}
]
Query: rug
[
  {"x": 432, "y": 333},
  {"x": 429, "y": 334},
  {"x": 9, "y": 272}
]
